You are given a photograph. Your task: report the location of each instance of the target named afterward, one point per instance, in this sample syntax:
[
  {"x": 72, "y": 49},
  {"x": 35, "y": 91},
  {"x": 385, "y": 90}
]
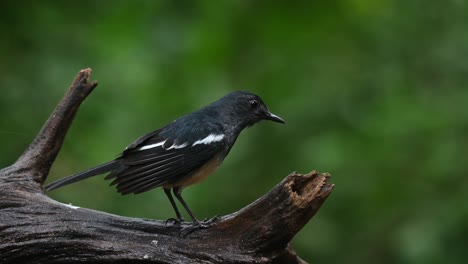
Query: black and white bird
[{"x": 183, "y": 152}]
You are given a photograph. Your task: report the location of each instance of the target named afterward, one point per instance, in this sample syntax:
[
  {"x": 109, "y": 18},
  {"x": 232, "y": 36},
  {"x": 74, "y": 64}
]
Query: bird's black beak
[{"x": 274, "y": 118}]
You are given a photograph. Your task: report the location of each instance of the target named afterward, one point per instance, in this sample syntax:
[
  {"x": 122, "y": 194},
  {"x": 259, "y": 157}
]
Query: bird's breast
[{"x": 199, "y": 175}]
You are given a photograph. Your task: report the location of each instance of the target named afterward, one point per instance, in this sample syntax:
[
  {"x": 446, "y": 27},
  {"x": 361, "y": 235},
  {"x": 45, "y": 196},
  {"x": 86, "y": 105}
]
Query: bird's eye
[{"x": 253, "y": 104}]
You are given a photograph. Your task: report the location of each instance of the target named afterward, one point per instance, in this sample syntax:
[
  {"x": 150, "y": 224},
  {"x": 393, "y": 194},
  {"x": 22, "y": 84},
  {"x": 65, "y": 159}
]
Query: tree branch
[
  {"x": 37, "y": 159},
  {"x": 37, "y": 229}
]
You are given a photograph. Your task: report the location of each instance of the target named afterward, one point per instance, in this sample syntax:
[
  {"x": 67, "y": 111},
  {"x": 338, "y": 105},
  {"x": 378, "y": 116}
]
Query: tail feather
[{"x": 106, "y": 167}]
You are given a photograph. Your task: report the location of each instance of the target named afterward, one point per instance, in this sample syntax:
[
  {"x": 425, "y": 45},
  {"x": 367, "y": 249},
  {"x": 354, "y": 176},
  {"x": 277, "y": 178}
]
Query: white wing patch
[
  {"x": 177, "y": 146},
  {"x": 159, "y": 144},
  {"x": 209, "y": 139},
  {"x": 152, "y": 145}
]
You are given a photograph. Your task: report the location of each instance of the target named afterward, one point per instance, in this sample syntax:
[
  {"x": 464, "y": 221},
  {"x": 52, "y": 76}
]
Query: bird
[{"x": 181, "y": 153}]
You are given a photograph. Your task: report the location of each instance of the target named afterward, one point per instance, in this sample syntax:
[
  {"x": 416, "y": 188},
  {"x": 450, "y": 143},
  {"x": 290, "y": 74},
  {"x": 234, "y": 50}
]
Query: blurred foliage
[{"x": 374, "y": 92}]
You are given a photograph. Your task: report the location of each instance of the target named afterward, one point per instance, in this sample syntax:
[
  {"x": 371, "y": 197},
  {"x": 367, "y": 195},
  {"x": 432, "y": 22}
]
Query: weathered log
[{"x": 37, "y": 229}]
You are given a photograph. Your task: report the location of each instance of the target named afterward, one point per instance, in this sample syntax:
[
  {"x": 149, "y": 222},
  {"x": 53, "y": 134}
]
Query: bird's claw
[
  {"x": 196, "y": 225},
  {"x": 174, "y": 221},
  {"x": 213, "y": 219}
]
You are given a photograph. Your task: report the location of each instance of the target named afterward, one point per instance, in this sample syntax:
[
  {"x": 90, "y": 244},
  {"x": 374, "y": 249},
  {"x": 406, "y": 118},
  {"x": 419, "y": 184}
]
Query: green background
[{"x": 374, "y": 92}]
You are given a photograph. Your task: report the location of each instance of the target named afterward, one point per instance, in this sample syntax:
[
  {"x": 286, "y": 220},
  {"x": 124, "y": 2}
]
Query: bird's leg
[
  {"x": 196, "y": 224},
  {"x": 171, "y": 199},
  {"x": 178, "y": 193}
]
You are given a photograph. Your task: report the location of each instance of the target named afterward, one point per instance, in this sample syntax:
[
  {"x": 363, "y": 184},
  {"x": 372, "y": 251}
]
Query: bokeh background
[{"x": 374, "y": 92}]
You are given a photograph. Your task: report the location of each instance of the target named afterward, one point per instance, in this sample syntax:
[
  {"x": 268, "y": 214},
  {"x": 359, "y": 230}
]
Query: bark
[{"x": 37, "y": 229}]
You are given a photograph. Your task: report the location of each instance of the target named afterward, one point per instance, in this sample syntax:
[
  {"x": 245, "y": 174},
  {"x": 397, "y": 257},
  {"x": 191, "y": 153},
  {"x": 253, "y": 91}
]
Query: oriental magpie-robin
[{"x": 183, "y": 152}]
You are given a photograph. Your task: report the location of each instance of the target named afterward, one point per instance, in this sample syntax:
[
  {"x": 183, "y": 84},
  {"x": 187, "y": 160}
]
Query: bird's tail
[{"x": 106, "y": 167}]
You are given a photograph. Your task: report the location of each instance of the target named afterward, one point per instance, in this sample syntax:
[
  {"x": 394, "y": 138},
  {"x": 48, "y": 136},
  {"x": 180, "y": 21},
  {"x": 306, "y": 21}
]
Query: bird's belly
[{"x": 201, "y": 174}]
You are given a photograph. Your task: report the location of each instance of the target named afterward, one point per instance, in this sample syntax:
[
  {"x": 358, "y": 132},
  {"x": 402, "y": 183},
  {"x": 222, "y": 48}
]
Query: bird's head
[{"x": 247, "y": 108}]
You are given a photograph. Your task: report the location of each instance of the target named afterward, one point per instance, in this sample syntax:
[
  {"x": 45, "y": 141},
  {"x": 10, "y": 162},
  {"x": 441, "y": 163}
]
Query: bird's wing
[
  {"x": 150, "y": 138},
  {"x": 154, "y": 161}
]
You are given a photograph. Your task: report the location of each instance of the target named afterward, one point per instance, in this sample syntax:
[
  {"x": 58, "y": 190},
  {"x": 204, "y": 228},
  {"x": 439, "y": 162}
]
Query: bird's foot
[
  {"x": 211, "y": 220},
  {"x": 197, "y": 225},
  {"x": 174, "y": 221}
]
